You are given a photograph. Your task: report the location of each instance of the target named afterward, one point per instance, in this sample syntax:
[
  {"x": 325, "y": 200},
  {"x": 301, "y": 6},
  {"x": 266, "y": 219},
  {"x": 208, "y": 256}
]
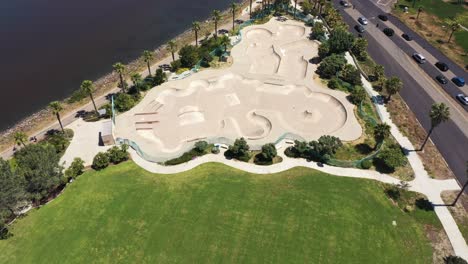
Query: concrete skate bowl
[
  {"x": 258, "y": 35},
  {"x": 263, "y": 60},
  {"x": 290, "y": 31},
  {"x": 261, "y": 129},
  {"x": 293, "y": 63}
]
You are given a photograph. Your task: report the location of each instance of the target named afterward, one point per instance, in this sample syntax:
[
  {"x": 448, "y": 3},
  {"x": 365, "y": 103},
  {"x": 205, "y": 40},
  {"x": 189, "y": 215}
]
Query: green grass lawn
[
  {"x": 216, "y": 214},
  {"x": 439, "y": 8}
]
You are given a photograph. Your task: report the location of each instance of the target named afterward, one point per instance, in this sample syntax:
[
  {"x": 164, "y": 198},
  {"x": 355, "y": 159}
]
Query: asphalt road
[{"x": 448, "y": 137}]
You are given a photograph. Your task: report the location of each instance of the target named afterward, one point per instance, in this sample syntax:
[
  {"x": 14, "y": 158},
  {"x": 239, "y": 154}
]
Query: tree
[
  {"x": 324, "y": 50},
  {"x": 392, "y": 156},
  {"x": 136, "y": 80},
  {"x": 307, "y": 7},
  {"x": 76, "y": 169},
  {"x": 201, "y": 146},
  {"x": 39, "y": 165},
  {"x": 239, "y": 149},
  {"x": 196, "y": 28},
  {"x": 358, "y": 95},
  {"x": 250, "y": 9},
  {"x": 351, "y": 75},
  {"x": 379, "y": 73},
  {"x": 234, "y": 7},
  {"x": 172, "y": 47},
  {"x": 88, "y": 88},
  {"x": 216, "y": 16},
  {"x": 340, "y": 41},
  {"x": 124, "y": 102},
  {"x": 359, "y": 48},
  {"x": 56, "y": 107},
  {"x": 318, "y": 32},
  {"x": 439, "y": 113},
  {"x": 11, "y": 190},
  {"x": 20, "y": 138},
  {"x": 147, "y": 57},
  {"x": 393, "y": 86},
  {"x": 381, "y": 132},
  {"x": 454, "y": 26},
  {"x": 117, "y": 155},
  {"x": 100, "y": 161},
  {"x": 454, "y": 260},
  {"x": 301, "y": 148},
  {"x": 159, "y": 77},
  {"x": 268, "y": 151},
  {"x": 119, "y": 68},
  {"x": 188, "y": 56},
  {"x": 331, "y": 65},
  {"x": 325, "y": 147},
  {"x": 225, "y": 41}
]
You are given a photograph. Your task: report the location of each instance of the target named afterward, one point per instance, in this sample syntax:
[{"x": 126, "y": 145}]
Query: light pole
[{"x": 463, "y": 188}]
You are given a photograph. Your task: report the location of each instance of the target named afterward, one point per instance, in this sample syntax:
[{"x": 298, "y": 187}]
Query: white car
[
  {"x": 419, "y": 58},
  {"x": 363, "y": 20},
  {"x": 462, "y": 98}
]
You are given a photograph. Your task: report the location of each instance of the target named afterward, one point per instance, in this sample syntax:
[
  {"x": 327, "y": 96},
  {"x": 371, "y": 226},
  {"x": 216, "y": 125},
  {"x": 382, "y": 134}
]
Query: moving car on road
[
  {"x": 389, "y": 32},
  {"x": 359, "y": 28},
  {"x": 441, "y": 79},
  {"x": 462, "y": 98},
  {"x": 442, "y": 66},
  {"x": 406, "y": 37},
  {"x": 344, "y": 3},
  {"x": 459, "y": 81},
  {"x": 363, "y": 20},
  {"x": 419, "y": 58},
  {"x": 383, "y": 17}
]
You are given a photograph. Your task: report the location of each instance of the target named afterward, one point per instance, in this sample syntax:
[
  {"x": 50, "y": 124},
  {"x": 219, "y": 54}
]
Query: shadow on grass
[
  {"x": 424, "y": 204},
  {"x": 380, "y": 166},
  {"x": 364, "y": 149}
]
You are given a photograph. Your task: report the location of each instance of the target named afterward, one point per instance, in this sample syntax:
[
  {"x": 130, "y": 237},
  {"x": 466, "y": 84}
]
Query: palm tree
[
  {"x": 420, "y": 9},
  {"x": 20, "y": 138},
  {"x": 454, "y": 25},
  {"x": 136, "y": 79},
  {"x": 381, "y": 132},
  {"x": 393, "y": 86},
  {"x": 463, "y": 188},
  {"x": 439, "y": 113},
  {"x": 120, "y": 69},
  {"x": 88, "y": 88},
  {"x": 216, "y": 16},
  {"x": 56, "y": 107},
  {"x": 172, "y": 47},
  {"x": 148, "y": 56},
  {"x": 250, "y": 10},
  {"x": 295, "y": 8},
  {"x": 234, "y": 7},
  {"x": 225, "y": 41},
  {"x": 195, "y": 28}
]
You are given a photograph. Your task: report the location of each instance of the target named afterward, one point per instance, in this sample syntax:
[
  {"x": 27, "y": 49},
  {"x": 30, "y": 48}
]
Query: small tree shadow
[
  {"x": 363, "y": 148},
  {"x": 315, "y": 60},
  {"x": 424, "y": 204},
  {"x": 380, "y": 166}
]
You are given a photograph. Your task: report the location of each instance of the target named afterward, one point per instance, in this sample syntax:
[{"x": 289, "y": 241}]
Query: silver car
[
  {"x": 419, "y": 58},
  {"x": 462, "y": 98},
  {"x": 363, "y": 20}
]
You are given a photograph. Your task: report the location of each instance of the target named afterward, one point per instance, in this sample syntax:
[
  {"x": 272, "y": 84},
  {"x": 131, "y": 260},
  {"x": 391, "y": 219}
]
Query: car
[
  {"x": 344, "y": 3},
  {"x": 359, "y": 28},
  {"x": 442, "y": 66},
  {"x": 441, "y": 79},
  {"x": 223, "y": 31},
  {"x": 389, "y": 32},
  {"x": 462, "y": 98},
  {"x": 459, "y": 81},
  {"x": 406, "y": 37},
  {"x": 363, "y": 20},
  {"x": 383, "y": 17},
  {"x": 419, "y": 58}
]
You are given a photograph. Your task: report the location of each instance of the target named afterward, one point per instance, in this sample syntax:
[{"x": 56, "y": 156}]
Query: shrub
[
  {"x": 454, "y": 260},
  {"x": 124, "y": 102},
  {"x": 188, "y": 156},
  {"x": 159, "y": 78},
  {"x": 182, "y": 70},
  {"x": 117, "y": 155},
  {"x": 318, "y": 32},
  {"x": 268, "y": 151},
  {"x": 76, "y": 168},
  {"x": 350, "y": 74},
  {"x": 215, "y": 150},
  {"x": 393, "y": 156},
  {"x": 325, "y": 148},
  {"x": 359, "y": 48},
  {"x": 201, "y": 146},
  {"x": 323, "y": 50},
  {"x": 366, "y": 164},
  {"x": 358, "y": 95},
  {"x": 189, "y": 56},
  {"x": 340, "y": 41},
  {"x": 239, "y": 150},
  {"x": 175, "y": 65},
  {"x": 331, "y": 65},
  {"x": 100, "y": 161},
  {"x": 59, "y": 140},
  {"x": 334, "y": 83}
]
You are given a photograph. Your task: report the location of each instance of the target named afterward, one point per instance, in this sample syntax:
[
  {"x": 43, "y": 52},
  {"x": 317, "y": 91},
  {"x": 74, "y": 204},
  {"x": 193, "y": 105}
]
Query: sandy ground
[{"x": 270, "y": 90}]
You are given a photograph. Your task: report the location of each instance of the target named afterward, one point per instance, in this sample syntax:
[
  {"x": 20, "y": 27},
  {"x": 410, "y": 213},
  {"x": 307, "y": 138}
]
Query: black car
[
  {"x": 442, "y": 66},
  {"x": 389, "y": 32},
  {"x": 359, "y": 28},
  {"x": 344, "y": 3},
  {"x": 383, "y": 17},
  {"x": 406, "y": 37},
  {"x": 441, "y": 79}
]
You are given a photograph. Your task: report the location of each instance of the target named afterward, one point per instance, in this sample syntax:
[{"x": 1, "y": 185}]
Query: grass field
[{"x": 215, "y": 214}]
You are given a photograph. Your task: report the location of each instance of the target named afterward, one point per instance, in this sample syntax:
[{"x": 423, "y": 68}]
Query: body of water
[{"x": 48, "y": 47}]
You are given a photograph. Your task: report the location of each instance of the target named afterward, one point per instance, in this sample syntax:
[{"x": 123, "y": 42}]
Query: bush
[
  {"x": 392, "y": 156},
  {"x": 117, "y": 155},
  {"x": 239, "y": 150},
  {"x": 182, "y": 70},
  {"x": 188, "y": 156},
  {"x": 331, "y": 65},
  {"x": 201, "y": 146},
  {"x": 454, "y": 260},
  {"x": 215, "y": 150},
  {"x": 159, "y": 78},
  {"x": 325, "y": 148},
  {"x": 323, "y": 50},
  {"x": 189, "y": 56},
  {"x": 59, "y": 140},
  {"x": 175, "y": 65},
  {"x": 334, "y": 83},
  {"x": 318, "y": 32},
  {"x": 268, "y": 151},
  {"x": 124, "y": 102},
  {"x": 340, "y": 41},
  {"x": 358, "y": 95},
  {"x": 76, "y": 168},
  {"x": 350, "y": 74},
  {"x": 100, "y": 161},
  {"x": 366, "y": 164}
]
